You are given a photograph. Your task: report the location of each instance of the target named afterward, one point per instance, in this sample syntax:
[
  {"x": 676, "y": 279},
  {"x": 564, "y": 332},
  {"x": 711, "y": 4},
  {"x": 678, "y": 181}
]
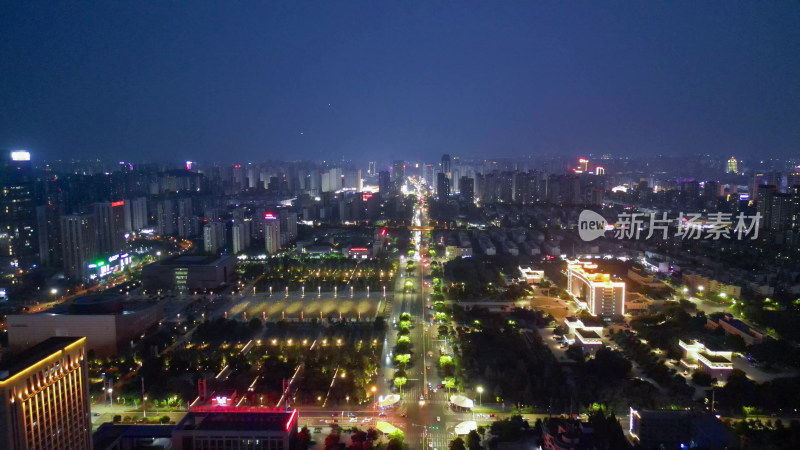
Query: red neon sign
[
  {"x": 119, "y": 203},
  {"x": 383, "y": 232},
  {"x": 291, "y": 419},
  {"x": 358, "y": 249},
  {"x": 270, "y": 216}
]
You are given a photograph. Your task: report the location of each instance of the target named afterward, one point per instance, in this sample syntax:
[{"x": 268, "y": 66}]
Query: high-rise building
[
  {"x": 384, "y": 183},
  {"x": 442, "y": 186},
  {"x": 764, "y": 199},
  {"x": 139, "y": 213},
  {"x": 446, "y": 167},
  {"x": 398, "y": 174},
  {"x": 583, "y": 165},
  {"x": 733, "y": 166},
  {"x": 288, "y": 224},
  {"x": 372, "y": 168},
  {"x": 272, "y": 233},
  {"x": 48, "y": 230},
  {"x": 165, "y": 218},
  {"x": 598, "y": 292},
  {"x": 110, "y": 224},
  {"x": 331, "y": 180},
  {"x": 78, "y": 240},
  {"x": 44, "y": 397},
  {"x": 428, "y": 174},
  {"x": 213, "y": 237},
  {"x": 467, "y": 185},
  {"x": 17, "y": 219},
  {"x": 794, "y": 191},
  {"x": 792, "y": 180},
  {"x": 240, "y": 237},
  {"x": 780, "y": 215}
]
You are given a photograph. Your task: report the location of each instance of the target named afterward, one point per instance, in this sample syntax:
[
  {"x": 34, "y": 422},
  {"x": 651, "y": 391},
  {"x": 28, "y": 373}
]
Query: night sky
[{"x": 377, "y": 80}]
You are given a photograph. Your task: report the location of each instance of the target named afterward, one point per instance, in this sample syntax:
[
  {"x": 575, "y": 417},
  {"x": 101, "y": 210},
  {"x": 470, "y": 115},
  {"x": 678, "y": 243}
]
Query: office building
[
  {"x": 598, "y": 292},
  {"x": 696, "y": 356},
  {"x": 765, "y": 194},
  {"x": 188, "y": 273},
  {"x": 107, "y": 321},
  {"x": 78, "y": 244},
  {"x": 109, "y": 219},
  {"x": 44, "y": 397},
  {"x": 372, "y": 168},
  {"x": 213, "y": 237}
]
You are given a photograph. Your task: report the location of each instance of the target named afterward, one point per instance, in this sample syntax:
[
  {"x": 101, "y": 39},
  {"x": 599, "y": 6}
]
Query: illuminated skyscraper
[
  {"x": 44, "y": 397},
  {"x": 733, "y": 165},
  {"x": 583, "y": 165},
  {"x": 17, "y": 216}
]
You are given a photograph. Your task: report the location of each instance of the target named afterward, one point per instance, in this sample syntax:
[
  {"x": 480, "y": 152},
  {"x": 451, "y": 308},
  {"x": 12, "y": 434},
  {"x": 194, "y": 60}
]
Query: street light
[
  {"x": 144, "y": 406},
  {"x": 480, "y": 392}
]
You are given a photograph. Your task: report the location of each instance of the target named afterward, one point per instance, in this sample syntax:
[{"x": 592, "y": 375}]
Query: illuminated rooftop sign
[{"x": 20, "y": 155}]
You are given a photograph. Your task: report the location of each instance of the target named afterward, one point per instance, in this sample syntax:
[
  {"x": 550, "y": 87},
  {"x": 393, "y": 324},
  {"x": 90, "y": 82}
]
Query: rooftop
[
  {"x": 190, "y": 260},
  {"x": 33, "y": 355},
  {"x": 588, "y": 334},
  {"x": 219, "y": 419},
  {"x": 717, "y": 359}
]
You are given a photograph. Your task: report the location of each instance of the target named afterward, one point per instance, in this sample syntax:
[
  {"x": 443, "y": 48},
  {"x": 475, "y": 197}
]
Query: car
[
  {"x": 354, "y": 420},
  {"x": 440, "y": 386},
  {"x": 382, "y": 414},
  {"x": 492, "y": 415},
  {"x": 404, "y": 415},
  {"x": 335, "y": 414},
  {"x": 438, "y": 419},
  {"x": 351, "y": 414}
]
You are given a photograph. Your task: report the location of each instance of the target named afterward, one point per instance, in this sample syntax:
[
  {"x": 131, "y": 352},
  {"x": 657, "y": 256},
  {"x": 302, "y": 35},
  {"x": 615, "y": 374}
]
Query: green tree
[
  {"x": 474, "y": 441},
  {"x": 457, "y": 444}
]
